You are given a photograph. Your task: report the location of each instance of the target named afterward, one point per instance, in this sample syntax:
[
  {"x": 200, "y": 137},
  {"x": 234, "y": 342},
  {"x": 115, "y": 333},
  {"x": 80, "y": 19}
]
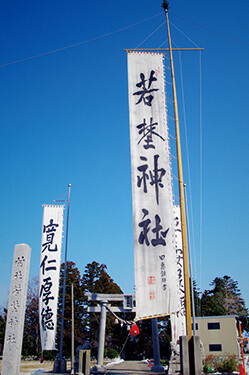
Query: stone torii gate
[
  {"x": 128, "y": 306},
  {"x": 104, "y": 303}
]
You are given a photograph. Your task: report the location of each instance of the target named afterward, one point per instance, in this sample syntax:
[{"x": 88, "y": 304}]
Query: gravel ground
[{"x": 34, "y": 367}]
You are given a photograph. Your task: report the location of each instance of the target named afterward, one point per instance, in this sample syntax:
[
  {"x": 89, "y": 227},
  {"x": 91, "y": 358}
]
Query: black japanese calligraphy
[
  {"x": 15, "y": 305},
  {"x": 13, "y": 322},
  {"x": 145, "y": 92},
  {"x": 147, "y": 132},
  {"x": 163, "y": 272},
  {"x": 47, "y": 268},
  {"x": 141, "y": 180},
  {"x": 177, "y": 224},
  {"x": 17, "y": 289},
  {"x": 155, "y": 176},
  {"x": 160, "y": 235},
  {"x": 179, "y": 259},
  {"x": 50, "y": 229},
  {"x": 19, "y": 261},
  {"x": 11, "y": 340},
  {"x": 48, "y": 265},
  {"x": 145, "y": 225},
  {"x": 45, "y": 291},
  {"x": 47, "y": 321},
  {"x": 18, "y": 275}
]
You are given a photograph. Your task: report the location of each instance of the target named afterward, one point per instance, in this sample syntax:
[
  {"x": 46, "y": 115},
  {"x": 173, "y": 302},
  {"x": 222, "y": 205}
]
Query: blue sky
[{"x": 65, "y": 119}]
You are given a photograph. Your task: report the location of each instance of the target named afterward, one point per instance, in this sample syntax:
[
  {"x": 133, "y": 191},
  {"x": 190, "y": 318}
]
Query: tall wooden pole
[{"x": 181, "y": 193}]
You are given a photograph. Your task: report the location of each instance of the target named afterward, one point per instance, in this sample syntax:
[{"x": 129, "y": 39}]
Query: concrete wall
[{"x": 224, "y": 337}]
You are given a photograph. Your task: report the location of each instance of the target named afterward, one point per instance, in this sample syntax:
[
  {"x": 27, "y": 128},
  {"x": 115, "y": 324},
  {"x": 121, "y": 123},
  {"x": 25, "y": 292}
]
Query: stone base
[
  {"x": 157, "y": 368},
  {"x": 174, "y": 362},
  {"x": 174, "y": 367},
  {"x": 98, "y": 369},
  {"x": 60, "y": 366}
]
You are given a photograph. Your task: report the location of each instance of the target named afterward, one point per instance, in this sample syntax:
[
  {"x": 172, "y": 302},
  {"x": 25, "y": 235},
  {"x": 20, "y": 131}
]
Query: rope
[
  {"x": 188, "y": 162},
  {"x": 172, "y": 137},
  {"x": 176, "y": 198},
  {"x": 213, "y": 31},
  {"x": 78, "y": 44},
  {"x": 61, "y": 197},
  {"x": 175, "y": 177},
  {"x": 184, "y": 35},
  {"x": 121, "y": 349},
  {"x": 201, "y": 161},
  {"x": 170, "y": 117},
  {"x": 127, "y": 322},
  {"x": 153, "y": 32},
  {"x": 163, "y": 44},
  {"x": 188, "y": 165}
]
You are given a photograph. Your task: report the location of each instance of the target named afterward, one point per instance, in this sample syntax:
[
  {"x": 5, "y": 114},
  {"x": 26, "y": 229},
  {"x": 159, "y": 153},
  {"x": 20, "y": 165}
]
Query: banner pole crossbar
[{"x": 162, "y": 49}]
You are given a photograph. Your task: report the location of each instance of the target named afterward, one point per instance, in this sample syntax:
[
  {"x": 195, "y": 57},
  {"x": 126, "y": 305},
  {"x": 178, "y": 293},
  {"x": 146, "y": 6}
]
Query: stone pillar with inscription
[{"x": 16, "y": 310}]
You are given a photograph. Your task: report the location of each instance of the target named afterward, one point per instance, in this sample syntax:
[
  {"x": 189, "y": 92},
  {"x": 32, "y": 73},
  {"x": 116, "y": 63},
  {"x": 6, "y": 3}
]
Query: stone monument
[{"x": 16, "y": 310}]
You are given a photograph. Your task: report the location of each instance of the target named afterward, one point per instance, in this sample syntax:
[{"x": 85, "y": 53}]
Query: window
[
  {"x": 213, "y": 325},
  {"x": 196, "y": 326},
  {"x": 215, "y": 347}
]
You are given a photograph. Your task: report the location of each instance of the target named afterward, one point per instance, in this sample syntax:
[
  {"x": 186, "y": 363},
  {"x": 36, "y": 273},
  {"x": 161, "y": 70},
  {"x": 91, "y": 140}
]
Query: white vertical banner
[
  {"x": 178, "y": 320},
  {"x": 156, "y": 279},
  {"x": 52, "y": 228}
]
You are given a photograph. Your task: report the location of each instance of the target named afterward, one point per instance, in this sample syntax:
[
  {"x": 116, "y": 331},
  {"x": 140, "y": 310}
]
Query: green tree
[
  {"x": 210, "y": 306},
  {"x": 97, "y": 280},
  {"x": 229, "y": 295},
  {"x": 72, "y": 277},
  {"x": 2, "y": 329},
  {"x": 224, "y": 299},
  {"x": 197, "y": 299},
  {"x": 31, "y": 336}
]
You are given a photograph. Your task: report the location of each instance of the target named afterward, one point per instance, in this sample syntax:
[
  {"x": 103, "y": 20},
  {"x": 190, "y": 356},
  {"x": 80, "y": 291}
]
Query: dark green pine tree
[
  {"x": 2, "y": 329},
  {"x": 31, "y": 334},
  {"x": 97, "y": 280},
  {"x": 224, "y": 299},
  {"x": 210, "y": 306},
  {"x": 197, "y": 299},
  {"x": 72, "y": 277}
]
